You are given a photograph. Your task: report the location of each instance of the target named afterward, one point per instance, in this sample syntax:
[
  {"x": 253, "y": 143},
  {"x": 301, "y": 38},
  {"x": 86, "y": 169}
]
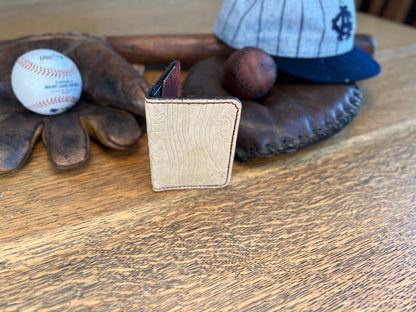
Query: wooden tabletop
[{"x": 330, "y": 228}]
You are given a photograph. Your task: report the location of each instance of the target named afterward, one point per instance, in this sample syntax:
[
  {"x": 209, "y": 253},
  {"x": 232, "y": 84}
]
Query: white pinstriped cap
[
  {"x": 309, "y": 39},
  {"x": 289, "y": 28}
]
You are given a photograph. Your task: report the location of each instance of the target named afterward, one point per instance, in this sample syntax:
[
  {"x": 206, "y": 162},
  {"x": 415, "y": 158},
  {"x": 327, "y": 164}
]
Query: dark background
[{"x": 403, "y": 11}]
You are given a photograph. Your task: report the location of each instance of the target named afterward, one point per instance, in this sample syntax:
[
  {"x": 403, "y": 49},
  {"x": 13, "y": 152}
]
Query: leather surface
[
  {"x": 112, "y": 89},
  {"x": 191, "y": 140},
  {"x": 295, "y": 114},
  {"x": 172, "y": 81}
]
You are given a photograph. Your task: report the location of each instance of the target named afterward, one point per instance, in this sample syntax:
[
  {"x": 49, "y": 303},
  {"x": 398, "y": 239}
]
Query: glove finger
[
  {"x": 112, "y": 127},
  {"x": 66, "y": 141},
  {"x": 110, "y": 78},
  {"x": 18, "y": 135}
]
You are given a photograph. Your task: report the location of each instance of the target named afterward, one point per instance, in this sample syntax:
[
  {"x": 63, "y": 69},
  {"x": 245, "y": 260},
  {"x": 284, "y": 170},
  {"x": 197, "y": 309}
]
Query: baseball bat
[
  {"x": 163, "y": 49},
  {"x": 188, "y": 48}
]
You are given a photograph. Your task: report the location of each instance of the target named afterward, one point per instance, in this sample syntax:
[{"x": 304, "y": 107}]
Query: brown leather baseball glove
[
  {"x": 112, "y": 92},
  {"x": 295, "y": 114}
]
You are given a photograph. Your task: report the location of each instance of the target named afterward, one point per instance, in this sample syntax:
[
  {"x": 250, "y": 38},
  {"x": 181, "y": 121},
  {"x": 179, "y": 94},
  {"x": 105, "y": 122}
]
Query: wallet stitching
[{"x": 230, "y": 158}]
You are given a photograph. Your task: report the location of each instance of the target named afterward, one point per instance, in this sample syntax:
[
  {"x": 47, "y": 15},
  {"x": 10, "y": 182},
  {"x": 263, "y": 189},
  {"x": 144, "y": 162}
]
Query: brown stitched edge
[{"x": 227, "y": 178}]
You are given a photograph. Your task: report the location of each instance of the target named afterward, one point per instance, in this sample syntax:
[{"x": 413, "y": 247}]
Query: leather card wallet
[{"x": 191, "y": 139}]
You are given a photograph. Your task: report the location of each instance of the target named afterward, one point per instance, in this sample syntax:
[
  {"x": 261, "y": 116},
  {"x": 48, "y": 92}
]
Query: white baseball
[{"x": 46, "y": 82}]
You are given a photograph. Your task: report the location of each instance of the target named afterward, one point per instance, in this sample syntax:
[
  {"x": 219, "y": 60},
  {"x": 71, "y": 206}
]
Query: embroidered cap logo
[{"x": 342, "y": 23}]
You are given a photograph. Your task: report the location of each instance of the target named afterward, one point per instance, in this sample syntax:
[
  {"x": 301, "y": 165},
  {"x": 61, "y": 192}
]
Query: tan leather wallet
[{"x": 191, "y": 139}]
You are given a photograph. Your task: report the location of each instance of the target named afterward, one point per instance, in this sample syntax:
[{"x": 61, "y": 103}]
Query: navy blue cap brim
[{"x": 350, "y": 67}]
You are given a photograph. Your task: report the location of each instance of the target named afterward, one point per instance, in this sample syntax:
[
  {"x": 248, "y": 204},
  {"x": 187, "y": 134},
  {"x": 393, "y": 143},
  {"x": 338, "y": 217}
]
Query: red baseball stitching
[
  {"x": 45, "y": 71},
  {"x": 53, "y": 100}
]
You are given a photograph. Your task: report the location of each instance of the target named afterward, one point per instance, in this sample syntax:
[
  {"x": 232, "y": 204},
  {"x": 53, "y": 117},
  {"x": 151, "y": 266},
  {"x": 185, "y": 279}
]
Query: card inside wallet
[{"x": 169, "y": 83}]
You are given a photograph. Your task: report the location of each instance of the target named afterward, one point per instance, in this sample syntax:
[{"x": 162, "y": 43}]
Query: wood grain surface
[{"x": 330, "y": 228}]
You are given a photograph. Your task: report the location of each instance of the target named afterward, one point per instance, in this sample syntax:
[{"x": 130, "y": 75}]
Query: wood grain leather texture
[{"x": 191, "y": 140}]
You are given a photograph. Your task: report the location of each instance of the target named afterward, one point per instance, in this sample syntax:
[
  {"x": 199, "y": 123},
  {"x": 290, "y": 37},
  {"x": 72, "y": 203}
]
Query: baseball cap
[{"x": 309, "y": 39}]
